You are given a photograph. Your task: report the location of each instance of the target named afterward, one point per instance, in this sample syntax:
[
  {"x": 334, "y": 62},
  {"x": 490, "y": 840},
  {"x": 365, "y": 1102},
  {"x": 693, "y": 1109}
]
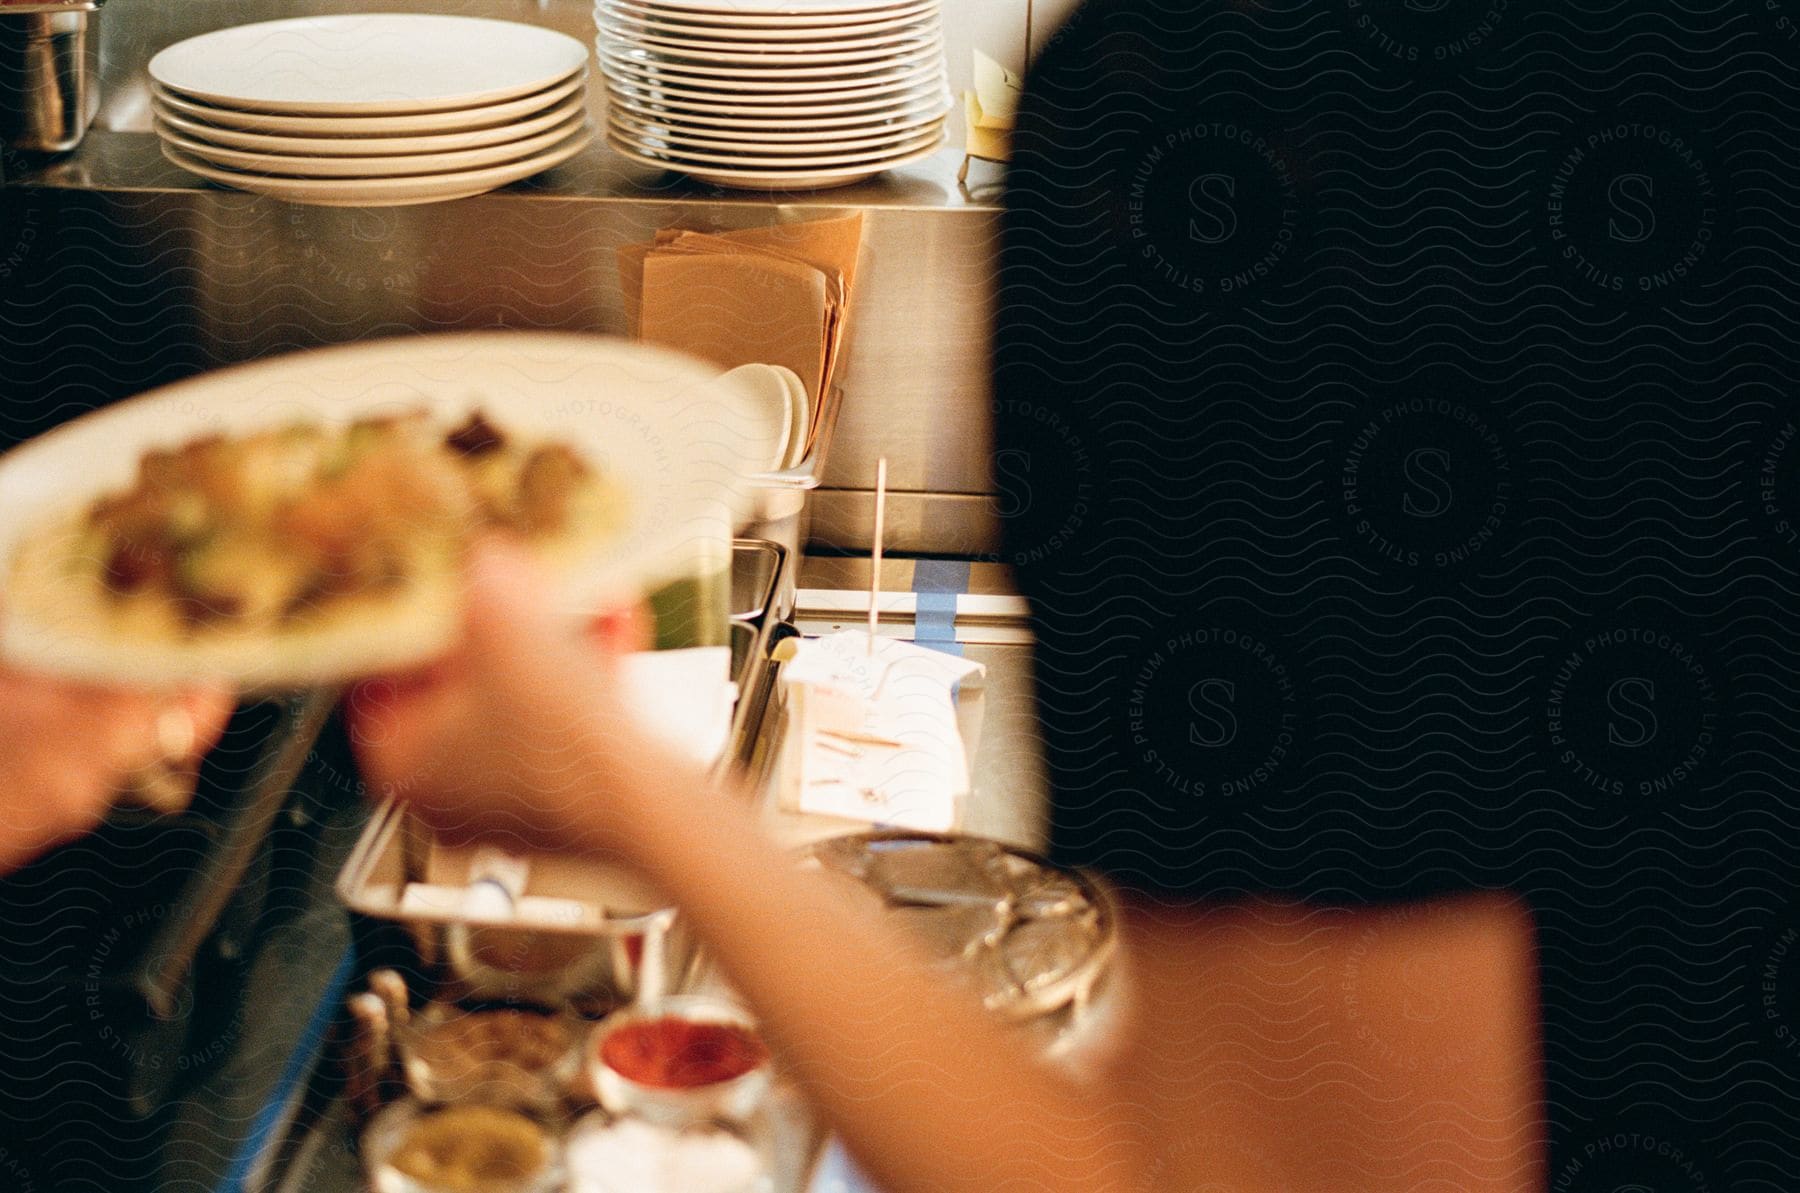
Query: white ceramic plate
[
  {"x": 667, "y": 428},
  {"x": 746, "y": 159},
  {"x": 751, "y": 152},
  {"x": 777, "y": 103},
  {"x": 801, "y": 406},
  {"x": 462, "y": 120},
  {"x": 381, "y": 64},
  {"x": 731, "y": 138},
  {"x": 770, "y": 12},
  {"x": 776, "y": 69},
  {"x": 710, "y": 63},
  {"x": 772, "y": 88},
  {"x": 400, "y": 165},
  {"x": 897, "y": 42},
  {"x": 636, "y": 17},
  {"x": 383, "y": 192},
  {"x": 767, "y": 387},
  {"x": 774, "y": 180},
  {"x": 800, "y": 416},
  {"x": 828, "y": 125},
  {"x": 810, "y": 115},
  {"x": 823, "y": 40},
  {"x": 370, "y": 146}
]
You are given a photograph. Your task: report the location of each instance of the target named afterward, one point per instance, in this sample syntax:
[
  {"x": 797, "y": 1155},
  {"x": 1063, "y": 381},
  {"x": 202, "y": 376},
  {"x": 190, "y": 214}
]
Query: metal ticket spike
[{"x": 881, "y": 471}]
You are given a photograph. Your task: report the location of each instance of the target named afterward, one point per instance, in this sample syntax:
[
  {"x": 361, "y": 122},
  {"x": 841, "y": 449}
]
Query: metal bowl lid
[
  {"x": 504, "y": 1056},
  {"x": 1034, "y": 936}
]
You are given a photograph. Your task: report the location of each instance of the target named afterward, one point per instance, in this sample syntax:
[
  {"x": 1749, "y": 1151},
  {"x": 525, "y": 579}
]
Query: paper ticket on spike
[{"x": 879, "y": 736}]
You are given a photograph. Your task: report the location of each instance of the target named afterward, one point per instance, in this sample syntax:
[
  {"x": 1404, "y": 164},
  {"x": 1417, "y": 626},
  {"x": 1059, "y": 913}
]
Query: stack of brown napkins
[{"x": 778, "y": 295}]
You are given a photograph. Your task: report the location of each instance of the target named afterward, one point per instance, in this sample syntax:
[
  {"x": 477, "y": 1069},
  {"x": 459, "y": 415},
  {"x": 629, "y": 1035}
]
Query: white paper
[
  {"x": 876, "y": 737},
  {"x": 684, "y": 698},
  {"x": 463, "y": 903}
]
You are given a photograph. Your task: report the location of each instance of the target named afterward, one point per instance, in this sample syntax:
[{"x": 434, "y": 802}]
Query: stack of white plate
[
  {"x": 371, "y": 111},
  {"x": 791, "y": 94}
]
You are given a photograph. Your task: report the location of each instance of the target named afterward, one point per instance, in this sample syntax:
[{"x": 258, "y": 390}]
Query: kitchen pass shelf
[{"x": 132, "y": 162}]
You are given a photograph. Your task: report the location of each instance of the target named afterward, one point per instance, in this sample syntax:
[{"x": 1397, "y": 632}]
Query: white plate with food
[
  {"x": 397, "y": 166},
  {"x": 384, "y": 192},
  {"x": 375, "y": 146},
  {"x": 462, "y": 120},
  {"x": 384, "y": 64},
  {"x": 301, "y": 521}
]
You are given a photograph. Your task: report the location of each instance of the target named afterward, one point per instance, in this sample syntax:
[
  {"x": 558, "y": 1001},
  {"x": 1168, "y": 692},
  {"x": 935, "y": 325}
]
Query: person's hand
[
  {"x": 509, "y": 737},
  {"x": 67, "y": 749}
]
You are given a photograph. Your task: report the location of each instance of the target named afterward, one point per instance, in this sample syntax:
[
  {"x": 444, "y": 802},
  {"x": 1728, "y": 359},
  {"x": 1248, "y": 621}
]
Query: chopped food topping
[
  {"x": 472, "y": 1149},
  {"x": 547, "y": 484},
  {"x": 475, "y": 437},
  {"x": 266, "y": 529},
  {"x": 493, "y": 1047}
]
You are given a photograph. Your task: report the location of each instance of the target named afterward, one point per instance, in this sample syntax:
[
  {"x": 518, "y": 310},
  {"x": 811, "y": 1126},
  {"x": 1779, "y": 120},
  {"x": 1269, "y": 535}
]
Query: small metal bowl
[
  {"x": 736, "y": 1100},
  {"x": 388, "y": 1131},
  {"x": 448, "y": 1054},
  {"x": 625, "y": 957}
]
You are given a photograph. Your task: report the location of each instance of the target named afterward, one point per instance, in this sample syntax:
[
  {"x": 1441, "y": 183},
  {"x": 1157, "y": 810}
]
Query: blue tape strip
[
  {"x": 299, "y": 1064},
  {"x": 942, "y": 575},
  {"x": 937, "y": 585}
]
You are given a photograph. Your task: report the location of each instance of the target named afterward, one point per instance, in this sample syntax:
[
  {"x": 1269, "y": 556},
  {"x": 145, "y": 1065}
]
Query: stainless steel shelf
[{"x": 132, "y": 162}]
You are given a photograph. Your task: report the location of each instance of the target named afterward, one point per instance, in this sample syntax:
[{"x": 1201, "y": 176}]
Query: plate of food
[{"x": 302, "y": 520}]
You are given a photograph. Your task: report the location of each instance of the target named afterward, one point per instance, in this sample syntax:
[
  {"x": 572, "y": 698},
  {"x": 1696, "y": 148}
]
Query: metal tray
[
  {"x": 602, "y": 960},
  {"x": 757, "y": 567},
  {"x": 1039, "y": 940}
]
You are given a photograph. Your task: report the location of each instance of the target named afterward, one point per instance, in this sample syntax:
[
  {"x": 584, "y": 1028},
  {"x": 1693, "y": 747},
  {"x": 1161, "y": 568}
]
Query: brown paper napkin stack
[{"x": 778, "y": 295}]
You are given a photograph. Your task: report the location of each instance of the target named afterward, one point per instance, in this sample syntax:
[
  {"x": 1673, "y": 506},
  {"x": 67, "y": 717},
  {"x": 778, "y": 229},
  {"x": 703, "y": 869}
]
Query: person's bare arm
[
  {"x": 1294, "y": 1047},
  {"x": 525, "y": 739},
  {"x": 521, "y": 735}
]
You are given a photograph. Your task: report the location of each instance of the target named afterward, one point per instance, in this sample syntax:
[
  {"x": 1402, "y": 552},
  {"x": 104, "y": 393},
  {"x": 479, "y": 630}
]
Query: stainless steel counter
[{"x": 1009, "y": 800}]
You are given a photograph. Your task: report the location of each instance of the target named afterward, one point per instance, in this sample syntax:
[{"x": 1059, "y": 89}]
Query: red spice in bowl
[{"x": 677, "y": 1053}]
